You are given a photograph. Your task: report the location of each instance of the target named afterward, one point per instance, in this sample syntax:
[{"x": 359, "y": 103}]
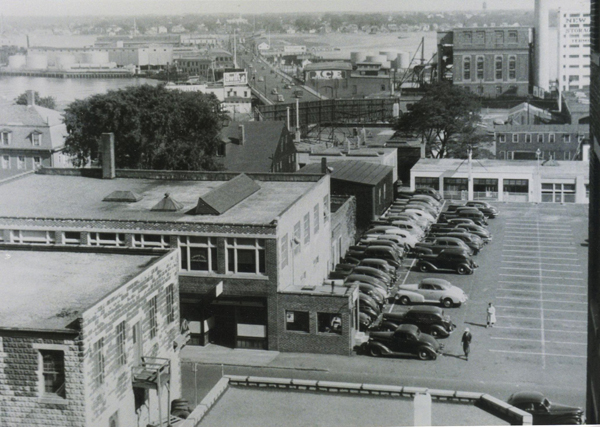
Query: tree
[
  {"x": 446, "y": 115},
  {"x": 47, "y": 102},
  {"x": 154, "y": 128}
]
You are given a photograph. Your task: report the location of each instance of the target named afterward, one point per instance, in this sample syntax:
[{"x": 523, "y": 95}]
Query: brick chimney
[
  {"x": 324, "y": 165},
  {"x": 30, "y": 98},
  {"x": 108, "y": 155},
  {"x": 242, "y": 134}
]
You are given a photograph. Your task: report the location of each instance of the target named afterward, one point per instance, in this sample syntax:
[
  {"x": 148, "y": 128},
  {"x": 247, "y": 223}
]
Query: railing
[
  {"x": 152, "y": 372},
  {"x": 455, "y": 195},
  {"x": 515, "y": 197},
  {"x": 485, "y": 195}
]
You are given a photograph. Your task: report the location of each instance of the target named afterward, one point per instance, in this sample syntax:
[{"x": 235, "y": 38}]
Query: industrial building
[
  {"x": 243, "y": 241},
  {"x": 88, "y": 336}
]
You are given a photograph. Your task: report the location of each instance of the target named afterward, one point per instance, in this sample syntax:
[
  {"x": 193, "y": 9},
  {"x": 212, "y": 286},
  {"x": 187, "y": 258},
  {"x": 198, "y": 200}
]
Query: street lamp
[{"x": 538, "y": 154}]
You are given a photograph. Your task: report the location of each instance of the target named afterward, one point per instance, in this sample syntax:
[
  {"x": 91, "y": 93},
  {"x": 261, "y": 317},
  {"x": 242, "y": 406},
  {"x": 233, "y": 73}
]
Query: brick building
[
  {"x": 88, "y": 355},
  {"x": 344, "y": 80},
  {"x": 242, "y": 239},
  {"x": 487, "y": 61}
]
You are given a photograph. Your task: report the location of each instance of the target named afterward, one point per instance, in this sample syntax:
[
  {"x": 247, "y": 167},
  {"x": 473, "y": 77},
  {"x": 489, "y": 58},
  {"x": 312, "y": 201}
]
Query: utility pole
[{"x": 470, "y": 180}]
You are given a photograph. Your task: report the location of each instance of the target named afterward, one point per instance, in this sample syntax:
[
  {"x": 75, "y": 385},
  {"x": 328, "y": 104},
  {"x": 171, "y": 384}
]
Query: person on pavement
[
  {"x": 491, "y": 316},
  {"x": 466, "y": 342}
]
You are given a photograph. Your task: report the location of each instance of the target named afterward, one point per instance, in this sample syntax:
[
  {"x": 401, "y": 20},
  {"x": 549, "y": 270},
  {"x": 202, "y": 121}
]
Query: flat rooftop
[
  {"x": 54, "y": 196},
  {"x": 246, "y": 406},
  {"x": 46, "y": 290}
]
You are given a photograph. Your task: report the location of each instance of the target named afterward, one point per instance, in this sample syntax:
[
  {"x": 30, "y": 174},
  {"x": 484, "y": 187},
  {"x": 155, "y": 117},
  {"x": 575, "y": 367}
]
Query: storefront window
[
  {"x": 330, "y": 323},
  {"x": 421, "y": 181},
  {"x": 297, "y": 321},
  {"x": 516, "y": 186},
  {"x": 198, "y": 253},
  {"x": 245, "y": 256}
]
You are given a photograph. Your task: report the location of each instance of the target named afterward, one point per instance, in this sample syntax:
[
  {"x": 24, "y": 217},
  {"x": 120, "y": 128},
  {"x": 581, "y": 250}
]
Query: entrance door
[
  {"x": 136, "y": 333},
  {"x": 224, "y": 332}
]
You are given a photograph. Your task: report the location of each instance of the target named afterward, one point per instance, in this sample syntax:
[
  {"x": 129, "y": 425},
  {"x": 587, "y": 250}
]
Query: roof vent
[
  {"x": 122, "y": 196},
  {"x": 167, "y": 204},
  {"x": 226, "y": 196}
]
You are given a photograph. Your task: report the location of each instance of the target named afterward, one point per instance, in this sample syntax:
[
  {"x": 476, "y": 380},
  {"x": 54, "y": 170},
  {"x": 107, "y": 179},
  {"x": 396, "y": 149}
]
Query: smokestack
[
  {"x": 30, "y": 98},
  {"x": 323, "y": 165},
  {"x": 288, "y": 118},
  {"x": 108, "y": 156},
  {"x": 242, "y": 134},
  {"x": 542, "y": 47}
]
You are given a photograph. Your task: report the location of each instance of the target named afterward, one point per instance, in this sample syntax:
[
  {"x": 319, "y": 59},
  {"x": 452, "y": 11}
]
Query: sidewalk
[{"x": 217, "y": 355}]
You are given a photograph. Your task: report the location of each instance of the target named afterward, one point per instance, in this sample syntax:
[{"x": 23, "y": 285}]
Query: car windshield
[{"x": 546, "y": 403}]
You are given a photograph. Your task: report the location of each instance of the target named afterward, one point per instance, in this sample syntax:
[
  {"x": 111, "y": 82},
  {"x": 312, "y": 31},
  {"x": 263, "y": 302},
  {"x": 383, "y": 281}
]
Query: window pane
[
  {"x": 246, "y": 262},
  {"x": 230, "y": 261},
  {"x": 213, "y": 259},
  {"x": 246, "y": 242},
  {"x": 196, "y": 239},
  {"x": 297, "y": 321},
  {"x": 184, "y": 258},
  {"x": 198, "y": 258}
]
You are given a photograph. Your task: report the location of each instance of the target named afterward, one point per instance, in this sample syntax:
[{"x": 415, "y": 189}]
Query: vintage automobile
[
  {"x": 545, "y": 412},
  {"x": 449, "y": 259},
  {"x": 403, "y": 239},
  {"x": 477, "y": 230},
  {"x": 421, "y": 222},
  {"x": 487, "y": 209},
  {"x": 406, "y": 340},
  {"x": 367, "y": 279},
  {"x": 438, "y": 244},
  {"x": 431, "y": 290},
  {"x": 429, "y": 191},
  {"x": 428, "y": 319},
  {"x": 373, "y": 272},
  {"x": 379, "y": 264}
]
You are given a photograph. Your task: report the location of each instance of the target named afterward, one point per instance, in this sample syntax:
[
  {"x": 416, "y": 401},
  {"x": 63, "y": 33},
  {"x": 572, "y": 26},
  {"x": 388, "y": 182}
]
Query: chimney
[
  {"x": 242, "y": 135},
  {"x": 324, "y": 165},
  {"x": 108, "y": 155},
  {"x": 30, "y": 98}
]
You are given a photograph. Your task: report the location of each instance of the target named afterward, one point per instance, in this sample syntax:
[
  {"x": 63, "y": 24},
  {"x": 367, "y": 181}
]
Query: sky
[{"x": 177, "y": 7}]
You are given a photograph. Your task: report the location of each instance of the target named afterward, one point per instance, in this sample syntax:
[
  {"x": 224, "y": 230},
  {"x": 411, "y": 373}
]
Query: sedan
[
  {"x": 545, "y": 412},
  {"x": 431, "y": 290}
]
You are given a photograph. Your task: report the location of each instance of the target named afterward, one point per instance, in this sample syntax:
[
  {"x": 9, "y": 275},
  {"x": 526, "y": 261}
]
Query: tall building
[
  {"x": 573, "y": 49},
  {"x": 593, "y": 362}
]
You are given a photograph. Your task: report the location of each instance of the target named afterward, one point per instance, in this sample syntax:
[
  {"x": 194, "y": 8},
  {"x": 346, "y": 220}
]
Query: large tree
[
  {"x": 47, "y": 101},
  {"x": 154, "y": 128},
  {"x": 446, "y": 115}
]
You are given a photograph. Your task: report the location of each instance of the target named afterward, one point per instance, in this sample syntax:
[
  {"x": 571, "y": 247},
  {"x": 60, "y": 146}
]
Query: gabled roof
[
  {"x": 260, "y": 143},
  {"x": 226, "y": 196},
  {"x": 22, "y": 121},
  {"x": 353, "y": 171}
]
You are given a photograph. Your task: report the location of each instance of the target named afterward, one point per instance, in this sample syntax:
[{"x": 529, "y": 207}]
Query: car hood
[
  {"x": 409, "y": 287},
  {"x": 558, "y": 409},
  {"x": 428, "y": 339}
]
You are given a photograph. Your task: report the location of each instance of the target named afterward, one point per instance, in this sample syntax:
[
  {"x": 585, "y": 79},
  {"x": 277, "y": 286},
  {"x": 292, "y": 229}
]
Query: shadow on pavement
[
  {"x": 456, "y": 356},
  {"x": 481, "y": 325}
]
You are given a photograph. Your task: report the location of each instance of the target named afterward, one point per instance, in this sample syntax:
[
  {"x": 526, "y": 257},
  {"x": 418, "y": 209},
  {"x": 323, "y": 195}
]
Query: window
[
  {"x": 121, "y": 340},
  {"x": 98, "y": 361},
  {"x": 297, "y": 321},
  {"x": 151, "y": 241},
  {"x": 422, "y": 181},
  {"x": 5, "y": 137},
  {"x": 467, "y": 68},
  {"x": 326, "y": 208},
  {"x": 566, "y": 138},
  {"x": 513, "y": 37},
  {"x": 540, "y": 137},
  {"x": 113, "y": 421},
  {"x": 36, "y": 138},
  {"x": 21, "y": 162},
  {"x": 467, "y": 37},
  {"x": 551, "y": 138},
  {"x": 33, "y": 236},
  {"x": 498, "y": 68},
  {"x": 106, "y": 239},
  {"x": 307, "y": 228},
  {"x": 52, "y": 364},
  {"x": 152, "y": 303},
  {"x": 71, "y": 238},
  {"x": 516, "y": 186},
  {"x": 501, "y": 138},
  {"x": 297, "y": 238},
  {"x": 499, "y": 37},
  {"x": 198, "y": 253},
  {"x": 37, "y": 162},
  {"x": 284, "y": 252},
  {"x": 515, "y": 137},
  {"x": 480, "y": 67},
  {"x": 245, "y": 255},
  {"x": 527, "y": 137},
  {"x": 170, "y": 296},
  {"x": 5, "y": 162},
  {"x": 512, "y": 67},
  {"x": 329, "y": 323},
  {"x": 316, "y": 218}
]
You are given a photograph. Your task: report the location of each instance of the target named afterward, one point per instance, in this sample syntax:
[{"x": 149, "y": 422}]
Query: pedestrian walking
[
  {"x": 491, "y": 316},
  {"x": 466, "y": 342}
]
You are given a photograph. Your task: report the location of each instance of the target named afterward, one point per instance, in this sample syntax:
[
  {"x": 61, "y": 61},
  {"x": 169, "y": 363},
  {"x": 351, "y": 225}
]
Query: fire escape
[{"x": 154, "y": 373}]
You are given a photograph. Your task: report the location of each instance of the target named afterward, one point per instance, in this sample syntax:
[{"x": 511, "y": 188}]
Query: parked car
[
  {"x": 363, "y": 278},
  {"x": 373, "y": 272},
  {"x": 545, "y": 412},
  {"x": 409, "y": 226},
  {"x": 427, "y": 197},
  {"x": 471, "y": 240},
  {"x": 449, "y": 259},
  {"x": 431, "y": 290},
  {"x": 477, "y": 230},
  {"x": 261, "y": 79},
  {"x": 341, "y": 271},
  {"x": 280, "y": 98},
  {"x": 350, "y": 260},
  {"x": 369, "y": 311},
  {"x": 422, "y": 206},
  {"x": 423, "y": 200},
  {"x": 421, "y": 213},
  {"x": 430, "y": 191},
  {"x": 288, "y": 86},
  {"x": 476, "y": 216},
  {"x": 382, "y": 252},
  {"x": 407, "y": 216},
  {"x": 405, "y": 239},
  {"x": 438, "y": 244},
  {"x": 484, "y": 207},
  {"x": 406, "y": 340},
  {"x": 365, "y": 299},
  {"x": 274, "y": 91},
  {"x": 373, "y": 291},
  {"x": 456, "y": 221},
  {"x": 379, "y": 264},
  {"x": 298, "y": 93},
  {"x": 427, "y": 318}
]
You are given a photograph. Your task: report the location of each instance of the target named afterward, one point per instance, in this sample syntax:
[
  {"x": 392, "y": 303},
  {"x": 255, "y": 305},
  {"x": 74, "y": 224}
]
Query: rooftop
[
  {"x": 329, "y": 66},
  {"x": 54, "y": 196},
  {"x": 54, "y": 288},
  {"x": 353, "y": 171},
  {"x": 543, "y": 128}
]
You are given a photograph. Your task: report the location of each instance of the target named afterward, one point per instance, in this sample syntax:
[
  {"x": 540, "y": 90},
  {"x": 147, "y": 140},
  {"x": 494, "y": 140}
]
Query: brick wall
[
  {"x": 343, "y": 224},
  {"x": 315, "y": 341},
  {"x": 130, "y": 304}
]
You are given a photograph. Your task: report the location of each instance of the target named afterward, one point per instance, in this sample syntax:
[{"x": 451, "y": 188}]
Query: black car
[
  {"x": 485, "y": 208},
  {"x": 448, "y": 259},
  {"x": 406, "y": 340},
  {"x": 429, "y": 319},
  {"x": 545, "y": 412}
]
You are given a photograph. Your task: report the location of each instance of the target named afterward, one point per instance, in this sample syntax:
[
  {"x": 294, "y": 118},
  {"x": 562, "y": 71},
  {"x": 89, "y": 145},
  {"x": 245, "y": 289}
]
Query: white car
[
  {"x": 421, "y": 222},
  {"x": 422, "y": 214},
  {"x": 431, "y": 290},
  {"x": 411, "y": 227},
  {"x": 401, "y": 239}
]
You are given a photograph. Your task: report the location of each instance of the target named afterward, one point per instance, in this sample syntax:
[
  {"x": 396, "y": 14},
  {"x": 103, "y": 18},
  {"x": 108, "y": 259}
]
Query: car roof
[
  {"x": 375, "y": 261},
  {"x": 434, "y": 281},
  {"x": 526, "y": 397},
  {"x": 408, "y": 328},
  {"x": 426, "y": 309}
]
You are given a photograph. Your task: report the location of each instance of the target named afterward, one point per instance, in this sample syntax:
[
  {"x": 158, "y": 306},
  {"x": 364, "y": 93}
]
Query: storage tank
[
  {"x": 16, "y": 61},
  {"x": 357, "y": 57},
  {"x": 389, "y": 54},
  {"x": 386, "y": 64},
  {"x": 377, "y": 58},
  {"x": 64, "y": 61},
  {"x": 403, "y": 60},
  {"x": 37, "y": 62}
]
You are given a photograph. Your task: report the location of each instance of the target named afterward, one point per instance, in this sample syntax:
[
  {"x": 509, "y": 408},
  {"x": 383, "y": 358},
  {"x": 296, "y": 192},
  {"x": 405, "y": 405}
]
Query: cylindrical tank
[
  {"x": 377, "y": 58},
  {"x": 403, "y": 60},
  {"x": 16, "y": 61},
  {"x": 37, "y": 62},
  {"x": 386, "y": 64},
  {"x": 357, "y": 57},
  {"x": 389, "y": 54},
  {"x": 64, "y": 61}
]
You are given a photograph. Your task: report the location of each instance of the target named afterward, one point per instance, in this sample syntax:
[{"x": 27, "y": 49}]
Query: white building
[{"x": 574, "y": 48}]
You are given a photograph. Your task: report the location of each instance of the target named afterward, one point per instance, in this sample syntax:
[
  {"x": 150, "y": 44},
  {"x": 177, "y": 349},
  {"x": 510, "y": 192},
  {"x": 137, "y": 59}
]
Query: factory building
[{"x": 573, "y": 49}]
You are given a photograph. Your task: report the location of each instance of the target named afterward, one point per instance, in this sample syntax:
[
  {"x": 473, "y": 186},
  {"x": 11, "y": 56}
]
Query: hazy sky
[{"x": 171, "y": 7}]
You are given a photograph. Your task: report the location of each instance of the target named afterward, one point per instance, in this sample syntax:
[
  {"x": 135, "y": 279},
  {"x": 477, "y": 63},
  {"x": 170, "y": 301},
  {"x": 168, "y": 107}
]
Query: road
[{"x": 534, "y": 272}]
